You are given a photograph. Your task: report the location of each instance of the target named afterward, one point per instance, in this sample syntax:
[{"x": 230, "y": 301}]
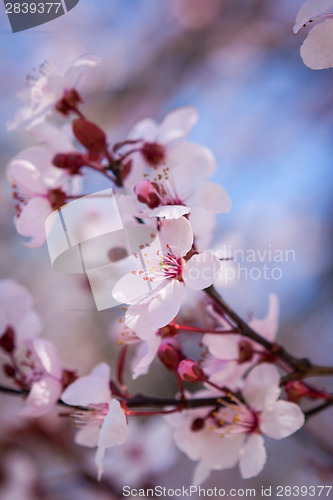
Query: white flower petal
[
  {"x": 90, "y": 389},
  {"x": 268, "y": 327},
  {"x": 283, "y": 419},
  {"x": 317, "y": 49},
  {"x": 223, "y": 347},
  {"x": 145, "y": 129},
  {"x": 101, "y": 370},
  {"x": 165, "y": 305},
  {"x": 177, "y": 124},
  {"x": 49, "y": 357},
  {"x": 252, "y": 456},
  {"x": 169, "y": 211},
  {"x": 201, "y": 271},
  {"x": 214, "y": 198},
  {"x": 178, "y": 234},
  {"x": 261, "y": 387},
  {"x": 144, "y": 356},
  {"x": 114, "y": 430},
  {"x": 201, "y": 473},
  {"x": 311, "y": 9},
  {"x": 88, "y": 436},
  {"x": 42, "y": 397},
  {"x": 31, "y": 221}
]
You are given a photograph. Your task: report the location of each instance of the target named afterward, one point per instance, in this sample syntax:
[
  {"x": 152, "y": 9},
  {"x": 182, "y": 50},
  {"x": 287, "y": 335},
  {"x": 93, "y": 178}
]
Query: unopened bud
[
  {"x": 146, "y": 193},
  {"x": 69, "y": 161},
  {"x": 190, "y": 371},
  {"x": 170, "y": 356}
]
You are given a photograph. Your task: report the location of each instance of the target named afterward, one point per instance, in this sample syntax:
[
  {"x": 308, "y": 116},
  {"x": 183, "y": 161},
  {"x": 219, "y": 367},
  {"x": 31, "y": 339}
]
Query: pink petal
[
  {"x": 311, "y": 9},
  {"x": 282, "y": 420},
  {"x": 31, "y": 221},
  {"x": 268, "y": 327},
  {"x": 132, "y": 287},
  {"x": 201, "y": 271},
  {"x": 201, "y": 473},
  {"x": 77, "y": 67},
  {"x": 169, "y": 211},
  {"x": 214, "y": 198},
  {"x": 317, "y": 49},
  {"x": 42, "y": 397},
  {"x": 261, "y": 388},
  {"x": 88, "y": 436},
  {"x": 101, "y": 370},
  {"x": 190, "y": 164},
  {"x": 114, "y": 430},
  {"x": 144, "y": 356},
  {"x": 222, "y": 346},
  {"x": 145, "y": 129},
  {"x": 177, "y": 124},
  {"x": 48, "y": 356},
  {"x": 165, "y": 305},
  {"x": 252, "y": 456},
  {"x": 90, "y": 389},
  {"x": 178, "y": 234}
]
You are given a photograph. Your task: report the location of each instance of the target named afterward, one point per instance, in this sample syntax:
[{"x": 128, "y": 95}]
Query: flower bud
[
  {"x": 170, "y": 356},
  {"x": 9, "y": 370},
  {"x": 146, "y": 193},
  {"x": 190, "y": 371},
  {"x": 69, "y": 161}
]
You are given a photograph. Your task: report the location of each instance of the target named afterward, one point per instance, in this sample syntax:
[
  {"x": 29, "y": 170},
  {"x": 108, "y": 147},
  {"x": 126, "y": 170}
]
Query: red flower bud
[
  {"x": 197, "y": 424},
  {"x": 170, "y": 356},
  {"x": 146, "y": 193},
  {"x": 190, "y": 371},
  {"x": 69, "y": 161}
]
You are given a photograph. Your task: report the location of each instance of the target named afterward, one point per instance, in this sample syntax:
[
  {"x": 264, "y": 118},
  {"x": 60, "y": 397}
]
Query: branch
[{"x": 302, "y": 367}]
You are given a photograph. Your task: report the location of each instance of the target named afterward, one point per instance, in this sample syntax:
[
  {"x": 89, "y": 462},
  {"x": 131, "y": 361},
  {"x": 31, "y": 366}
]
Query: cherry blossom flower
[
  {"x": 168, "y": 275},
  {"x": 317, "y": 49},
  {"x": 17, "y": 313},
  {"x": 240, "y": 426},
  {"x": 103, "y": 422},
  {"x": 40, "y": 188},
  {"x": 231, "y": 354},
  {"x": 42, "y": 372},
  {"x": 46, "y": 89}
]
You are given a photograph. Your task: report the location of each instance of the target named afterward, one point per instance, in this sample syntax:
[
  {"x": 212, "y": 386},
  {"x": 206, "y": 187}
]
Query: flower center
[
  {"x": 94, "y": 414},
  {"x": 153, "y": 153}
]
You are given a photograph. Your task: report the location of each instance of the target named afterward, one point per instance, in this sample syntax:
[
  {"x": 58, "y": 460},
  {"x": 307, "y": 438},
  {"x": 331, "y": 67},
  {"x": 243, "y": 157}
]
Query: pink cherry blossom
[
  {"x": 16, "y": 312},
  {"x": 240, "y": 425},
  {"x": 103, "y": 423},
  {"x": 46, "y": 88},
  {"x": 316, "y": 50},
  {"x": 43, "y": 374},
  {"x": 155, "y": 295},
  {"x": 40, "y": 188}
]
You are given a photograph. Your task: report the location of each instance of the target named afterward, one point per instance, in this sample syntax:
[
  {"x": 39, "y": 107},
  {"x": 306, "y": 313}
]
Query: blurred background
[{"x": 269, "y": 121}]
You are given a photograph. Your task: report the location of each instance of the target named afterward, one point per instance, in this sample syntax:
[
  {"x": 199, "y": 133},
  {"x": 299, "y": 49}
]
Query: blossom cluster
[{"x": 229, "y": 385}]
